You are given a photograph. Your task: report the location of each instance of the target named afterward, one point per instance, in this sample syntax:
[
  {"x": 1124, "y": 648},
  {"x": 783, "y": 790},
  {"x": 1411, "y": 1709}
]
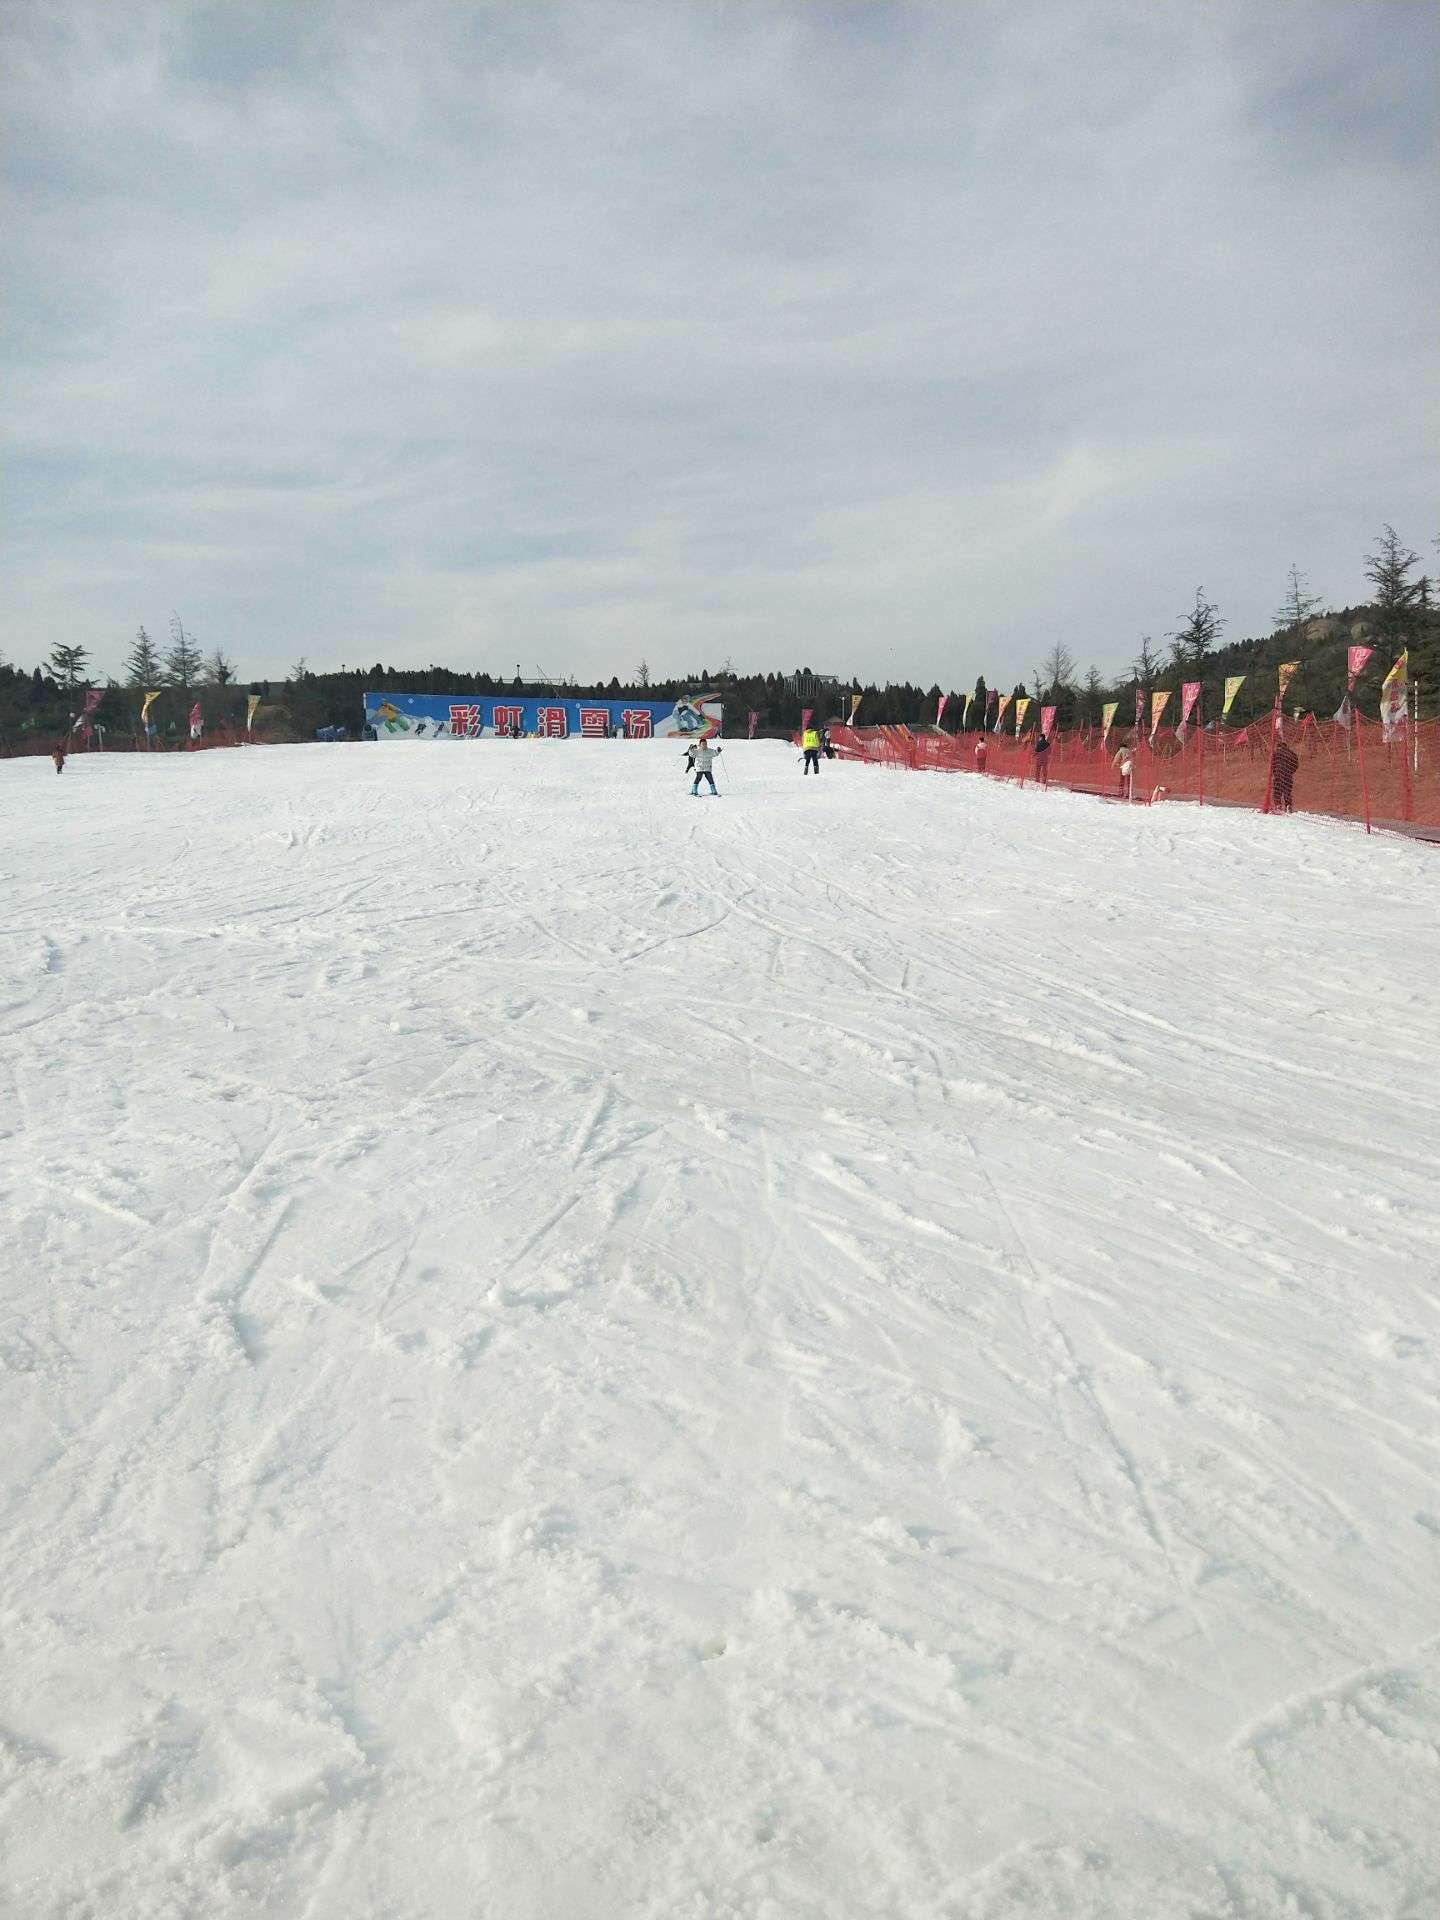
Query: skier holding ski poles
[{"x": 705, "y": 758}]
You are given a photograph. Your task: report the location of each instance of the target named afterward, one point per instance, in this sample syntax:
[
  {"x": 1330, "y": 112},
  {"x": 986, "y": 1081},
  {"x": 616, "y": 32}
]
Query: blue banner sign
[{"x": 503, "y": 716}]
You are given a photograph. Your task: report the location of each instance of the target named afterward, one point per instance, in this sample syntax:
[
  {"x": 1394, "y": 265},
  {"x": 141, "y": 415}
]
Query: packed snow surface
[{"x": 866, "y": 1347}]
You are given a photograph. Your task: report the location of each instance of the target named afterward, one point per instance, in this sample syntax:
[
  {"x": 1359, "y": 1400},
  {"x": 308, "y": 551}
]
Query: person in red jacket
[{"x": 982, "y": 753}]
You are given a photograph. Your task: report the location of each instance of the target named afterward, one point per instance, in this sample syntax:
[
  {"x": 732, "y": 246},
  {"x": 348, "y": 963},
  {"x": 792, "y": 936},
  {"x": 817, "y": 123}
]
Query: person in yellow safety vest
[{"x": 810, "y": 741}]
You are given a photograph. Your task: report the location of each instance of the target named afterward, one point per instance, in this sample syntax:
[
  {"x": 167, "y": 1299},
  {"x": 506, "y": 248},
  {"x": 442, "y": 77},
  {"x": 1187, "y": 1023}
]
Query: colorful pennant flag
[
  {"x": 1232, "y": 687},
  {"x": 1047, "y": 721},
  {"x": 195, "y": 721},
  {"x": 1158, "y": 704},
  {"x": 940, "y": 708},
  {"x": 1107, "y": 718},
  {"x": 1139, "y": 708},
  {"x": 1022, "y": 707},
  {"x": 965, "y": 711},
  {"x": 146, "y": 704},
  {"x": 1393, "y": 695},
  {"x": 1284, "y": 676},
  {"x": 1005, "y": 699},
  {"x": 855, "y": 700},
  {"x": 252, "y": 707},
  {"x": 754, "y": 723},
  {"x": 1355, "y": 663}
]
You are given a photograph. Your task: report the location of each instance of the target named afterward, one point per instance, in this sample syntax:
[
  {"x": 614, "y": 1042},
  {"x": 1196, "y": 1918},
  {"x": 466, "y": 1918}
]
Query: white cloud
[{"x": 892, "y": 338}]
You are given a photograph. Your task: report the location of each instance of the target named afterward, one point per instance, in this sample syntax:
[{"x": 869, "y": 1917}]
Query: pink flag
[
  {"x": 941, "y": 707},
  {"x": 1139, "y": 708},
  {"x": 195, "y": 721},
  {"x": 1047, "y": 721},
  {"x": 1189, "y": 694},
  {"x": 754, "y": 722},
  {"x": 1355, "y": 663},
  {"x": 805, "y": 717}
]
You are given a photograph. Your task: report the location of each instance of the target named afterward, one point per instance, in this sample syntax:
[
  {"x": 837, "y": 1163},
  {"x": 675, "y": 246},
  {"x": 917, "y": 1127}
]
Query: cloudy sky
[{"x": 896, "y": 340}]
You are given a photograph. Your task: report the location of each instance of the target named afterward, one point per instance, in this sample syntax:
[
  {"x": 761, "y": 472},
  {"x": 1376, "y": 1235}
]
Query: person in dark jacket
[
  {"x": 1042, "y": 757},
  {"x": 1282, "y": 777}
]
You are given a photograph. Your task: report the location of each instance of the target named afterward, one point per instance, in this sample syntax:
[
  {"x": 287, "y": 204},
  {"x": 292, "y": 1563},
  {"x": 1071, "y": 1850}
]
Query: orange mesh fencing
[{"x": 1308, "y": 766}]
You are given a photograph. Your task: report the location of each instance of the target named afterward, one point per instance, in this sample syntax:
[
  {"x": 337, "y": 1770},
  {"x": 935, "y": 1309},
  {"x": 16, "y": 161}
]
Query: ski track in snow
[{"x": 870, "y": 1349}]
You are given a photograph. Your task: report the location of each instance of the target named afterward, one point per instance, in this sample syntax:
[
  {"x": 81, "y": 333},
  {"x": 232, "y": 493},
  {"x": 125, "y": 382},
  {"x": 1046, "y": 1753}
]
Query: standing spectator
[
  {"x": 1282, "y": 777},
  {"x": 1125, "y": 766},
  {"x": 982, "y": 753},
  {"x": 57, "y": 754},
  {"x": 1042, "y": 757}
]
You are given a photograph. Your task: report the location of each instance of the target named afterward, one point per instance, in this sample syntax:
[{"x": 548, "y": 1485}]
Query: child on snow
[{"x": 705, "y": 756}]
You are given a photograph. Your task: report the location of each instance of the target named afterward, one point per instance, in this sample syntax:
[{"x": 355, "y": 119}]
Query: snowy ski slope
[{"x": 865, "y": 1348}]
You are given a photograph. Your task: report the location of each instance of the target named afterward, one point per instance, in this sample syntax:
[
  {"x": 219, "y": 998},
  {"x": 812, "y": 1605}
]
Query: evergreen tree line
[{"x": 1403, "y": 613}]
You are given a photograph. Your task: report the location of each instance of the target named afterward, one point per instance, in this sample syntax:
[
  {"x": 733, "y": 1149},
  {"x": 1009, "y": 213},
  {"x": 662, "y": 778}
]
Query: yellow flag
[
  {"x": 147, "y": 703},
  {"x": 1022, "y": 707},
  {"x": 1107, "y": 717},
  {"x": 854, "y": 708},
  {"x": 1158, "y": 703},
  {"x": 1284, "y": 676},
  {"x": 251, "y": 706},
  {"x": 1232, "y": 687},
  {"x": 1393, "y": 694},
  {"x": 1005, "y": 700}
]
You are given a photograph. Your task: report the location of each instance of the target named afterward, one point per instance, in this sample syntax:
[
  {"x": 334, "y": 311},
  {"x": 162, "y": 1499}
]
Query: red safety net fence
[
  {"x": 1354, "y": 772},
  {"x": 222, "y": 735}
]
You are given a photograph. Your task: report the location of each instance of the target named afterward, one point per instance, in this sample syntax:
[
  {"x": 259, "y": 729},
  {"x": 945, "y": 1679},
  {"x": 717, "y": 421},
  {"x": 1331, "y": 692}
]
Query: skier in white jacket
[{"x": 705, "y": 757}]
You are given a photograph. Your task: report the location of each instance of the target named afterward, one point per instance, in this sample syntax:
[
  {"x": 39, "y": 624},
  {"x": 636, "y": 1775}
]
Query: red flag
[
  {"x": 754, "y": 722},
  {"x": 1189, "y": 694},
  {"x": 1047, "y": 721},
  {"x": 1355, "y": 663},
  {"x": 941, "y": 707},
  {"x": 195, "y": 721}
]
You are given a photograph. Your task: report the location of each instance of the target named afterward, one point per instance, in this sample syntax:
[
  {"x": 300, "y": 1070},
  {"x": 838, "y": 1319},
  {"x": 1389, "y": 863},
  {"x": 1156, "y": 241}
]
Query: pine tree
[
  {"x": 1057, "y": 670},
  {"x": 1397, "y": 596},
  {"x": 143, "y": 663},
  {"x": 1197, "y": 636},
  {"x": 1299, "y": 606},
  {"x": 67, "y": 666},
  {"x": 1147, "y": 663},
  {"x": 220, "y": 669},
  {"x": 182, "y": 661},
  {"x": 1094, "y": 695}
]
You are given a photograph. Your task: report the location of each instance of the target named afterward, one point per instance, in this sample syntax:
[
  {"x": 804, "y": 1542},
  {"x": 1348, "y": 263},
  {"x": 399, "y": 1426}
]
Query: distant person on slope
[
  {"x": 705, "y": 756},
  {"x": 1125, "y": 767},
  {"x": 1282, "y": 779},
  {"x": 1042, "y": 758},
  {"x": 810, "y": 741},
  {"x": 827, "y": 745},
  {"x": 57, "y": 754},
  {"x": 982, "y": 753}
]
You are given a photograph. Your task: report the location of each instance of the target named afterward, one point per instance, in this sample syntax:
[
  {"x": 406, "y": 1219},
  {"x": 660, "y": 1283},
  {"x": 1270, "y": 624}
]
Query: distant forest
[{"x": 40, "y": 703}]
